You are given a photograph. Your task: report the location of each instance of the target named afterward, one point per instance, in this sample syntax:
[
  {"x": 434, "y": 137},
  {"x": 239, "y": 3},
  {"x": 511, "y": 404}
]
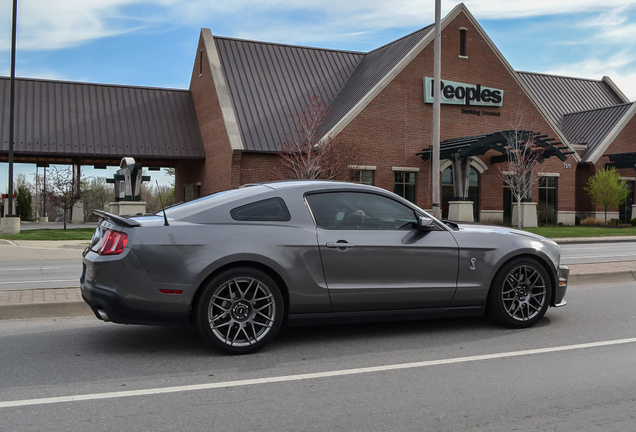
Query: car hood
[{"x": 487, "y": 229}]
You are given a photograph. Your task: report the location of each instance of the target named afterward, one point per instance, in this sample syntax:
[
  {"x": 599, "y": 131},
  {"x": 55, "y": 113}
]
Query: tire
[
  {"x": 520, "y": 294},
  {"x": 240, "y": 311}
]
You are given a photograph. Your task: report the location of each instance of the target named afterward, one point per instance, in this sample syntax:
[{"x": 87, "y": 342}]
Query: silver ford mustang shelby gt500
[{"x": 239, "y": 264}]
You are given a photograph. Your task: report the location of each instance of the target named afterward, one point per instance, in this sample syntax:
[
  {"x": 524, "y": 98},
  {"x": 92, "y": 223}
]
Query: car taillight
[{"x": 113, "y": 243}]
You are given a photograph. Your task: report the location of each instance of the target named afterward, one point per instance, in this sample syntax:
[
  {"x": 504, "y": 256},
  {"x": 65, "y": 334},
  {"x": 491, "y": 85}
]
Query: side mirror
[{"x": 425, "y": 224}]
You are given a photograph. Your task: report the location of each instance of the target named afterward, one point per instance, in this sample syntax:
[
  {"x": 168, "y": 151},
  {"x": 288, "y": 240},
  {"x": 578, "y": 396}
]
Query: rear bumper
[
  {"x": 562, "y": 286},
  {"x": 108, "y": 306}
]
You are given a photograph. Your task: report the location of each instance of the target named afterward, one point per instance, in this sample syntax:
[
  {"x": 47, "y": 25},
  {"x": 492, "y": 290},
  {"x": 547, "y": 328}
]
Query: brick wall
[{"x": 217, "y": 172}]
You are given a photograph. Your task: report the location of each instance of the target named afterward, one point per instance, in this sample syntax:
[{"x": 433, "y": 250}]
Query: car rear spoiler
[{"x": 121, "y": 220}]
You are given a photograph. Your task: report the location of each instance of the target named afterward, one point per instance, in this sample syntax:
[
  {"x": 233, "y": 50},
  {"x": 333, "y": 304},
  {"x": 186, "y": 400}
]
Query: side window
[
  {"x": 360, "y": 211},
  {"x": 273, "y": 209}
]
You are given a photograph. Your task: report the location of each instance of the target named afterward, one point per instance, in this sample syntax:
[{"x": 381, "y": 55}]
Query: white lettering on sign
[{"x": 457, "y": 93}]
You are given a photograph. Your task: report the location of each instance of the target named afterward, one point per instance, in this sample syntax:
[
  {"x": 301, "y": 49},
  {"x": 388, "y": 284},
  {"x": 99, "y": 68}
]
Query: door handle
[{"x": 340, "y": 244}]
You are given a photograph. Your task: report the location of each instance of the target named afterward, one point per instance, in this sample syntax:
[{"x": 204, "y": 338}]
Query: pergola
[
  {"x": 460, "y": 151},
  {"x": 622, "y": 160}
]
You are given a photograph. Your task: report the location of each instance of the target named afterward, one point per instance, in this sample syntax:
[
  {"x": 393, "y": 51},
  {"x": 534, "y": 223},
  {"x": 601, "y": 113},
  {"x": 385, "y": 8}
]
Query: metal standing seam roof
[
  {"x": 269, "y": 83},
  {"x": 69, "y": 119},
  {"x": 592, "y": 126},
  {"x": 560, "y": 95}
]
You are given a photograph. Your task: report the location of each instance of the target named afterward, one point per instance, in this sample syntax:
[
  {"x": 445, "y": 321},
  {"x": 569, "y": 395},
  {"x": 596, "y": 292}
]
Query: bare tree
[
  {"x": 96, "y": 194},
  {"x": 154, "y": 195},
  {"x": 306, "y": 153},
  {"x": 60, "y": 190},
  {"x": 519, "y": 172}
]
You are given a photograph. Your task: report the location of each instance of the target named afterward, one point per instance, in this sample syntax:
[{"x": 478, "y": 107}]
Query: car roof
[{"x": 311, "y": 185}]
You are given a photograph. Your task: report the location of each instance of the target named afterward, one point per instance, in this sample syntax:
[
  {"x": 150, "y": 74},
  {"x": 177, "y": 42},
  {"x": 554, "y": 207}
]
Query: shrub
[
  {"x": 633, "y": 222},
  {"x": 590, "y": 221},
  {"x": 614, "y": 222}
]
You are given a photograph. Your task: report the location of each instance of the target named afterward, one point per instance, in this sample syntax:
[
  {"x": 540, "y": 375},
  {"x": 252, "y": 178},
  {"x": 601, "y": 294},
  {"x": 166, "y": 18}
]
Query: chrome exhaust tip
[{"x": 103, "y": 315}]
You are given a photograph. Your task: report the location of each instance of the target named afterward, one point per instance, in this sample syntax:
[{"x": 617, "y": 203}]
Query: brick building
[{"x": 245, "y": 93}]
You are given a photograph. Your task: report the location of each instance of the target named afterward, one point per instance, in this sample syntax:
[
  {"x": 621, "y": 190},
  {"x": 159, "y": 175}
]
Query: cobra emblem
[{"x": 472, "y": 263}]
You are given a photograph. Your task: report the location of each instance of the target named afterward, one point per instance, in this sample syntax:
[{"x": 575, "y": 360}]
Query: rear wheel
[
  {"x": 240, "y": 310},
  {"x": 520, "y": 294}
]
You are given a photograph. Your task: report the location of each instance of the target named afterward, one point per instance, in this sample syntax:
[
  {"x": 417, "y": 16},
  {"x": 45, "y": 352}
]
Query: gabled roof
[
  {"x": 56, "y": 119},
  {"x": 589, "y": 112},
  {"x": 560, "y": 95},
  {"x": 269, "y": 83},
  {"x": 593, "y": 126}
]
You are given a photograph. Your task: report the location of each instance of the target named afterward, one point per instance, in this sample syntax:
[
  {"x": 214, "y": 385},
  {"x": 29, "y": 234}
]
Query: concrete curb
[
  {"x": 614, "y": 277},
  {"x": 62, "y": 309}
]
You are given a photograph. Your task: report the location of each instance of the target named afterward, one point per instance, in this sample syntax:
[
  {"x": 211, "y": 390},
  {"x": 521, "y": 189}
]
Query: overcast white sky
[{"x": 153, "y": 42}]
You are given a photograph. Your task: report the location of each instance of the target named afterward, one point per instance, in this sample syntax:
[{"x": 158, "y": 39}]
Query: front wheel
[
  {"x": 520, "y": 294},
  {"x": 240, "y": 311}
]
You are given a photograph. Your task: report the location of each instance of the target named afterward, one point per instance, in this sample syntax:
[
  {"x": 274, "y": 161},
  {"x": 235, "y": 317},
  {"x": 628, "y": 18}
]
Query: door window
[{"x": 360, "y": 211}]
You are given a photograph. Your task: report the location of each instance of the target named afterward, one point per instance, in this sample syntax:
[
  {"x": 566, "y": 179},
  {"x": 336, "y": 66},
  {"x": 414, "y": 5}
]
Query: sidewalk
[{"x": 66, "y": 302}]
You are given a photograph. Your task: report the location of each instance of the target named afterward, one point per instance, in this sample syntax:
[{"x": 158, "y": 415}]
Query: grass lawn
[
  {"x": 52, "y": 234},
  {"x": 551, "y": 232},
  {"x": 581, "y": 231}
]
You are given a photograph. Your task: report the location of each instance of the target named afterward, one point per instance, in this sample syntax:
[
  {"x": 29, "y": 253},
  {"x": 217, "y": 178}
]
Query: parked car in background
[{"x": 241, "y": 263}]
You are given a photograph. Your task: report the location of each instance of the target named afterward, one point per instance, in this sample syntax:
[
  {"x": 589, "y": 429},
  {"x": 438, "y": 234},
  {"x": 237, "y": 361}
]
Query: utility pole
[
  {"x": 12, "y": 107},
  {"x": 437, "y": 72}
]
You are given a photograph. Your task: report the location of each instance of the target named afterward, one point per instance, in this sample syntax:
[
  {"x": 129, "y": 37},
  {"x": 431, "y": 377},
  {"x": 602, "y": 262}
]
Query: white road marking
[{"x": 303, "y": 377}]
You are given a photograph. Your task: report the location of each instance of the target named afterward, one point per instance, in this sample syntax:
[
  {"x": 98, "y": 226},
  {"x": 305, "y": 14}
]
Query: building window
[
  {"x": 462, "y": 43},
  {"x": 362, "y": 176},
  {"x": 188, "y": 192},
  {"x": 404, "y": 184},
  {"x": 625, "y": 209},
  {"x": 547, "y": 205}
]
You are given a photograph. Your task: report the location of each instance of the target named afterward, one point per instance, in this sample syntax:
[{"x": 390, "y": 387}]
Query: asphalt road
[
  {"x": 584, "y": 253},
  {"x": 573, "y": 371},
  {"x": 62, "y": 268},
  {"x": 40, "y": 274}
]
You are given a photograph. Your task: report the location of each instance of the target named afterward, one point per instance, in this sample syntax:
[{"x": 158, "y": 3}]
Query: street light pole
[{"x": 437, "y": 72}]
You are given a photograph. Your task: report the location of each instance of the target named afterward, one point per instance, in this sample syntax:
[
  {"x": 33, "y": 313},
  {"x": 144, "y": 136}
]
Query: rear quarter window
[{"x": 273, "y": 209}]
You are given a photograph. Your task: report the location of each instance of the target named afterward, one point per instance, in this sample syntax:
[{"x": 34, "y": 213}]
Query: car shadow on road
[{"x": 365, "y": 337}]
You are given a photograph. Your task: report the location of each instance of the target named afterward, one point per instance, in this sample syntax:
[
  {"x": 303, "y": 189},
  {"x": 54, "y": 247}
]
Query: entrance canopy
[
  {"x": 61, "y": 122},
  {"x": 501, "y": 141},
  {"x": 460, "y": 150}
]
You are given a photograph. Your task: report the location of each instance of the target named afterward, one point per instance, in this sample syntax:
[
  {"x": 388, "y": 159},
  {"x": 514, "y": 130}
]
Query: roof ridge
[
  {"x": 129, "y": 86},
  {"x": 288, "y": 45},
  {"x": 560, "y": 76},
  {"x": 598, "y": 108}
]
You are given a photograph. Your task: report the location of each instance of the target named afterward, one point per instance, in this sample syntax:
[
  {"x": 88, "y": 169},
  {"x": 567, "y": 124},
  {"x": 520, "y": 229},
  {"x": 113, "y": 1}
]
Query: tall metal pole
[
  {"x": 437, "y": 72},
  {"x": 12, "y": 106}
]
